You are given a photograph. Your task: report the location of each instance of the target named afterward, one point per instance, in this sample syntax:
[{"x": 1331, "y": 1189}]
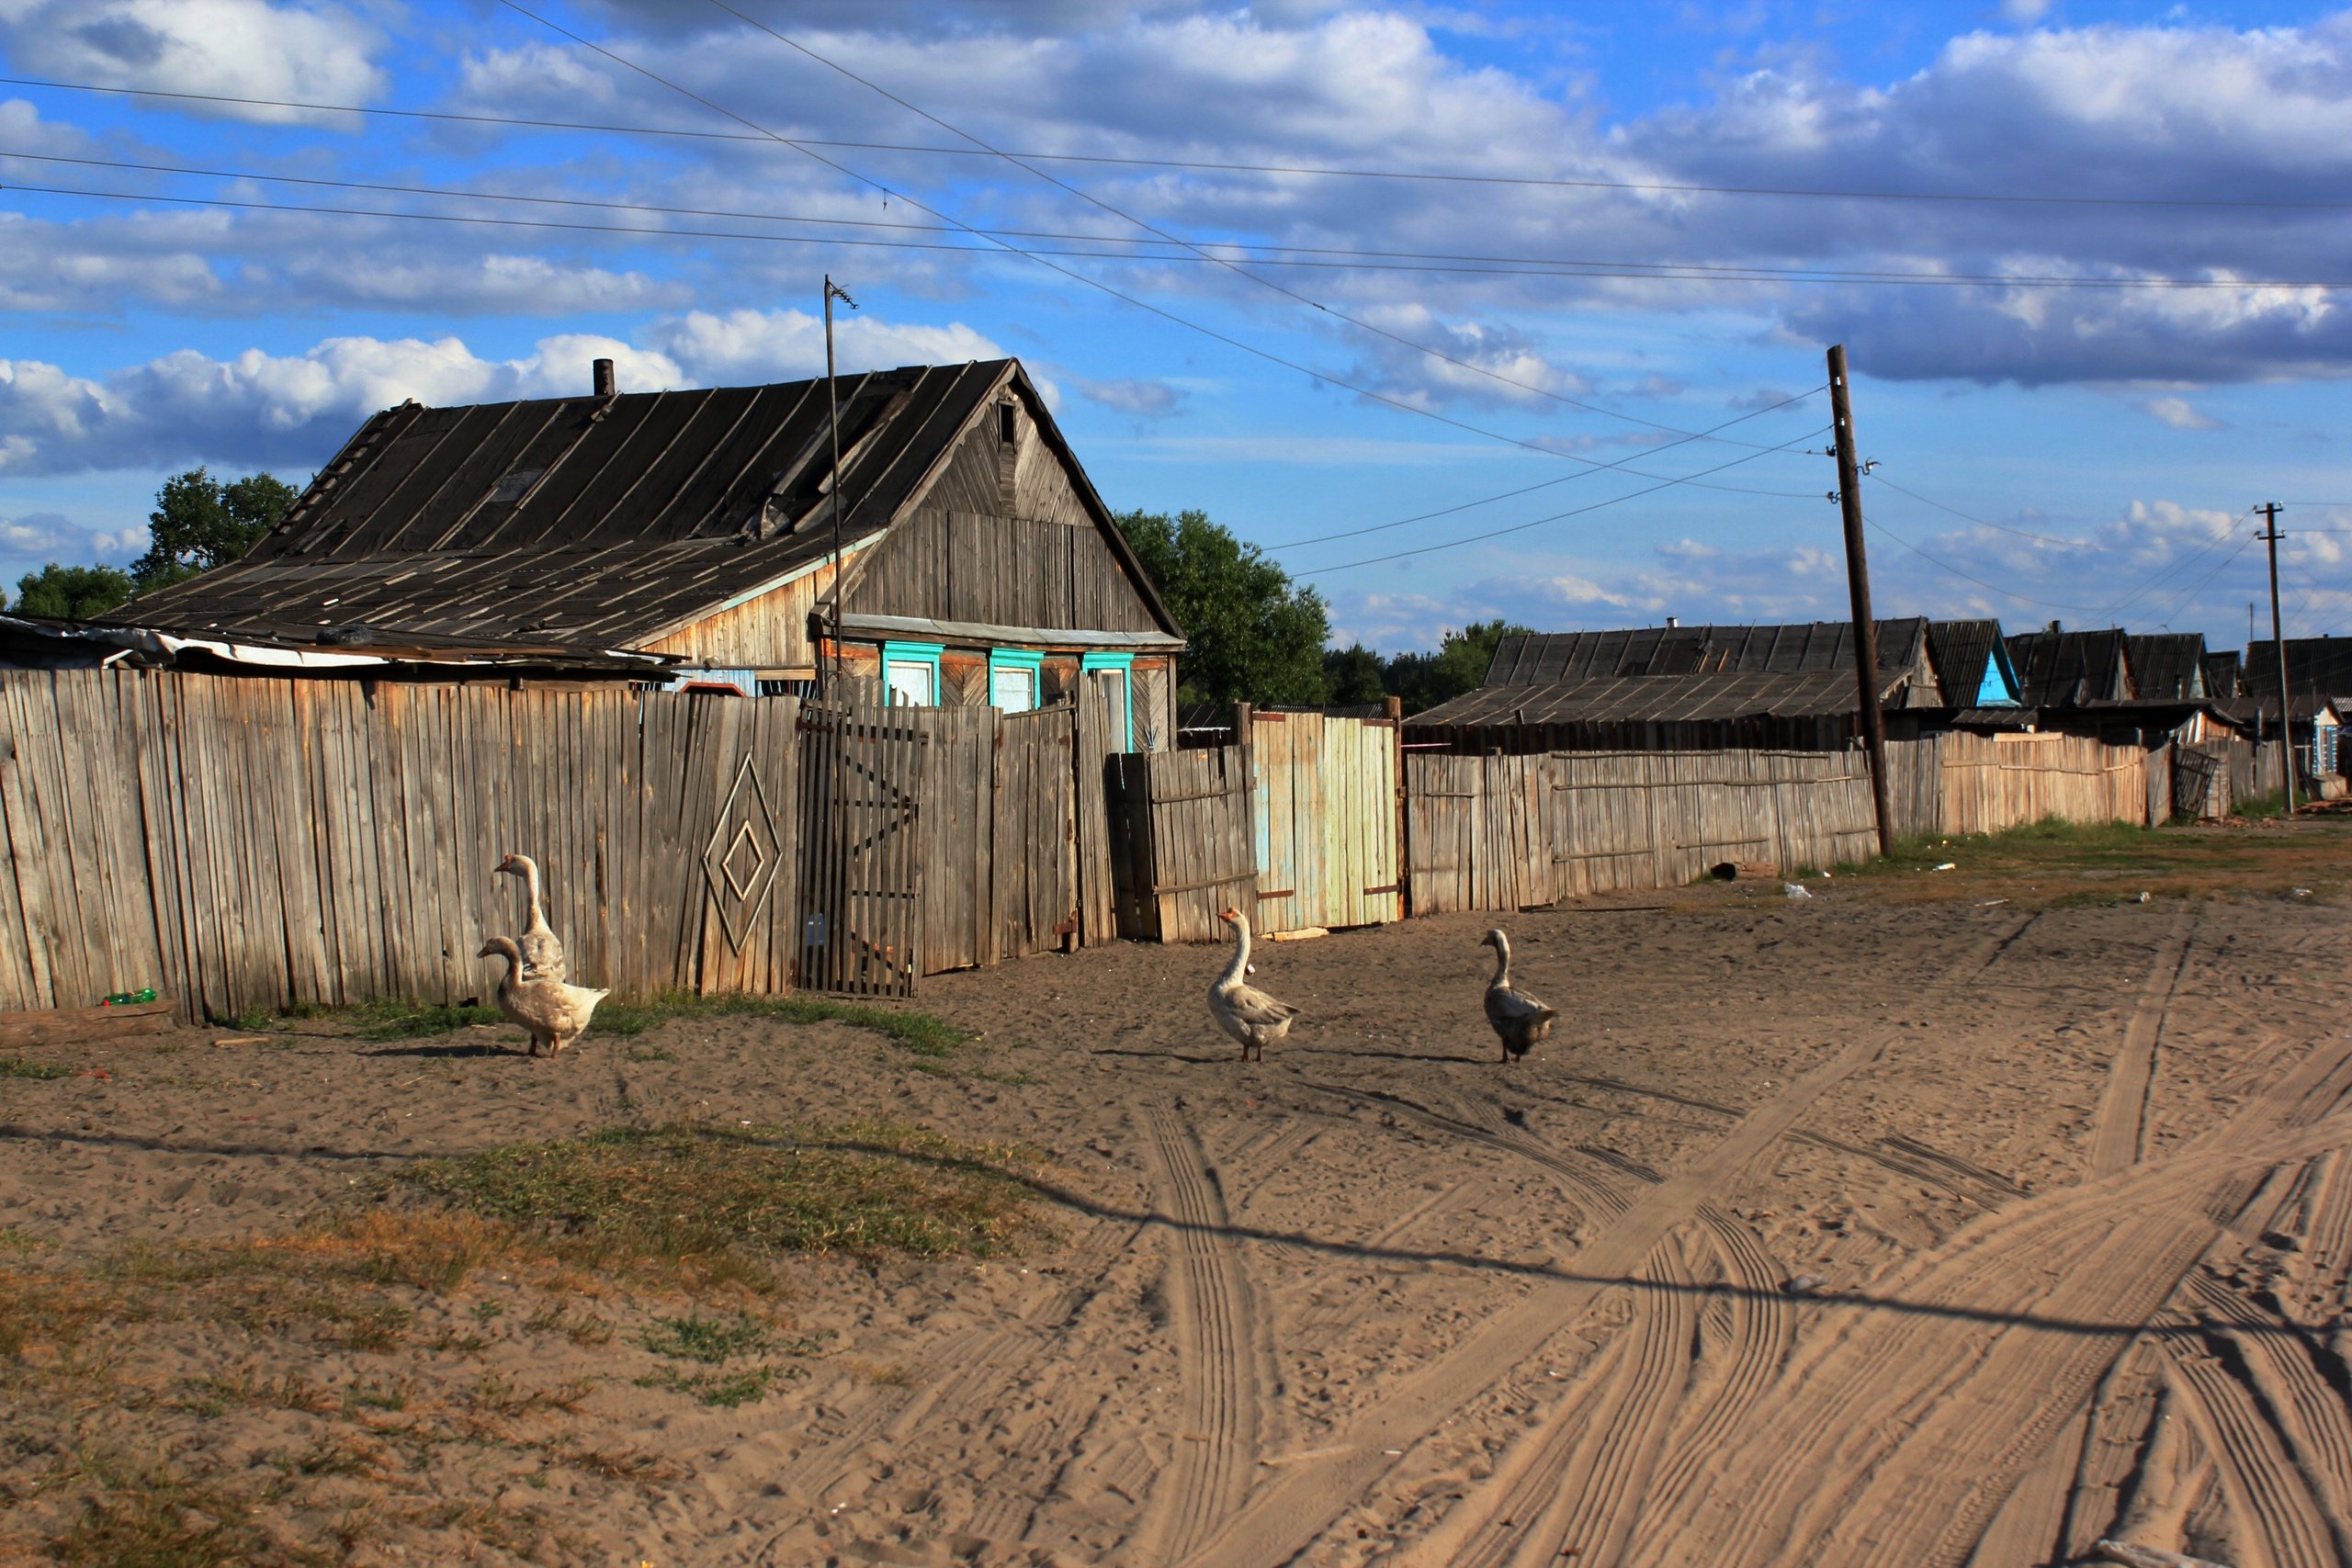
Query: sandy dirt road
[{"x": 1842, "y": 1231}]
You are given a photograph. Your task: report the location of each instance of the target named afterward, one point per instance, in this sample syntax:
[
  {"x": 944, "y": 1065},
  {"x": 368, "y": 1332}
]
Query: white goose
[
  {"x": 556, "y": 1014},
  {"x": 1241, "y": 1009},
  {"x": 1520, "y": 1019},
  {"x": 542, "y": 949}
]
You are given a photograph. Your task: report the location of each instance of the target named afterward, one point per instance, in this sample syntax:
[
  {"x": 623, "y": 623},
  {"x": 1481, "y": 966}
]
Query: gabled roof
[
  {"x": 2224, "y": 678},
  {"x": 2321, "y": 664},
  {"x": 1654, "y": 699},
  {"x": 1973, "y": 664},
  {"x": 1805, "y": 648},
  {"x": 604, "y": 521},
  {"x": 2168, "y": 666},
  {"x": 2064, "y": 669}
]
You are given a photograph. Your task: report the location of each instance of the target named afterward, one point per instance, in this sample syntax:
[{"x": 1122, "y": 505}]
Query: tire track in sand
[
  {"x": 1218, "y": 1356},
  {"x": 2267, "y": 1496},
  {"x": 1285, "y": 1517},
  {"x": 2120, "y": 1132},
  {"x": 1978, "y": 1397}
]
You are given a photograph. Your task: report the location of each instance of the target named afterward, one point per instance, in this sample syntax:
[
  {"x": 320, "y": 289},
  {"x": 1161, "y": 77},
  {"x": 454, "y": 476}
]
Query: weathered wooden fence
[
  {"x": 1185, "y": 818},
  {"x": 1325, "y": 800},
  {"x": 249, "y": 843},
  {"x": 1512, "y": 832},
  {"x": 1985, "y": 783}
]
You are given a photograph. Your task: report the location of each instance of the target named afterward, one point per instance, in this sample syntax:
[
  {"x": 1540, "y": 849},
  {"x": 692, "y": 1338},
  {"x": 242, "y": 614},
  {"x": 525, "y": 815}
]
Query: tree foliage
[
  {"x": 1255, "y": 636},
  {"x": 72, "y": 592},
  {"x": 1459, "y": 665},
  {"x": 200, "y": 522}
]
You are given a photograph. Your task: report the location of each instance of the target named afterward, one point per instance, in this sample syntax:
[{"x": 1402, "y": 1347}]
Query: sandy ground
[{"x": 1843, "y": 1231}]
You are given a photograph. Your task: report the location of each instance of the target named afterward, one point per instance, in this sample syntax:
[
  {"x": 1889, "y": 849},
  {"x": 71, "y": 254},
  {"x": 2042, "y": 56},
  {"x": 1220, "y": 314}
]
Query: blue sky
[{"x": 2086, "y": 453}]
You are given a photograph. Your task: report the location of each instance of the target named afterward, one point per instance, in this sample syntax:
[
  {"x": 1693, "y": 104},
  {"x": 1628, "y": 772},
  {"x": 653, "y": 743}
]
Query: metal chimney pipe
[{"x": 607, "y": 384}]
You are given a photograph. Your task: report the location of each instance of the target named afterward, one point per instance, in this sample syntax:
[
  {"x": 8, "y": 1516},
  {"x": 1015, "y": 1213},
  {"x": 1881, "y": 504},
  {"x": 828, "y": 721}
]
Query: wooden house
[{"x": 978, "y": 565}]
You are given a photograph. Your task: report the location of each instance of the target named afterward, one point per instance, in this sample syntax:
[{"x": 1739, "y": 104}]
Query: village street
[{"x": 1872, "y": 1227}]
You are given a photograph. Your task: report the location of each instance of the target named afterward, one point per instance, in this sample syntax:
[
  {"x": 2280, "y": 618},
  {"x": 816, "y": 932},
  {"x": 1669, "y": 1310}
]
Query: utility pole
[
  {"x": 1858, "y": 583},
  {"x": 834, "y": 291},
  {"x": 2271, "y": 536}
]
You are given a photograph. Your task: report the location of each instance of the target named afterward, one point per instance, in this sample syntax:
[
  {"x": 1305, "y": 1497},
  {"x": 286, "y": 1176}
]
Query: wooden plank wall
[
  {"x": 251, "y": 843},
  {"x": 1989, "y": 782},
  {"x": 1324, "y": 820}
]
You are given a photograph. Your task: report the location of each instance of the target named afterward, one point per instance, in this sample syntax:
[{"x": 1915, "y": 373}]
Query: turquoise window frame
[
  {"x": 912, "y": 653},
  {"x": 1019, "y": 659},
  {"x": 1124, "y": 663}
]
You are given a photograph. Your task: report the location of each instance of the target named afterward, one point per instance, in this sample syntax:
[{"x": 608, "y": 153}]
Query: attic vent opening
[
  {"x": 1008, "y": 423},
  {"x": 509, "y": 491}
]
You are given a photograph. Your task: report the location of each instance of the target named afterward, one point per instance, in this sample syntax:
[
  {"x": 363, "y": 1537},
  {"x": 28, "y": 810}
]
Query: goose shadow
[
  {"x": 1164, "y": 1055},
  {"x": 1390, "y": 1055}
]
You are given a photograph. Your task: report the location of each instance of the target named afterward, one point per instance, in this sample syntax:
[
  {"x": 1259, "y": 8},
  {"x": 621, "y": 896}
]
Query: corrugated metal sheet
[
  {"x": 1803, "y": 648},
  {"x": 2168, "y": 666},
  {"x": 2064, "y": 669},
  {"x": 1664, "y": 699},
  {"x": 2321, "y": 664}
]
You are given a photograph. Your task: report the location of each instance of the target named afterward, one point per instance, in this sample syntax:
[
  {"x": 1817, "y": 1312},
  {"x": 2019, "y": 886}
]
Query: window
[
  {"x": 1008, "y": 424},
  {"x": 910, "y": 674},
  {"x": 1116, "y": 667},
  {"x": 1013, "y": 679}
]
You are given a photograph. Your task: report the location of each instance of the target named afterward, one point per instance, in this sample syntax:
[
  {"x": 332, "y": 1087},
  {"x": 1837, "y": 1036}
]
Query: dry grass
[{"x": 2055, "y": 863}]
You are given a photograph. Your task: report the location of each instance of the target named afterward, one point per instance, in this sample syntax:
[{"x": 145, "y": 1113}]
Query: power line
[
  {"x": 1558, "y": 516},
  {"x": 1097, "y": 284},
  {"x": 1988, "y": 523},
  {"x": 1943, "y": 565},
  {"x": 1266, "y": 255},
  {"x": 1203, "y": 165},
  {"x": 2179, "y": 566},
  {"x": 1564, "y": 478},
  {"x": 1563, "y": 269}
]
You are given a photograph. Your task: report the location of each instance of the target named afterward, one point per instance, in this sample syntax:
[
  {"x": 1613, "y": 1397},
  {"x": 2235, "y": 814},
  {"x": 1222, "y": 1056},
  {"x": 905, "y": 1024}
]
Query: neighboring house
[
  {"x": 2168, "y": 666},
  {"x": 2319, "y": 674},
  {"x": 2224, "y": 678},
  {"x": 1676, "y": 685},
  {"x": 2060, "y": 669},
  {"x": 979, "y": 566}
]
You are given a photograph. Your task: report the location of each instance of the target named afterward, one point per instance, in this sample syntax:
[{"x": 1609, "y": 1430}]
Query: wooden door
[
  {"x": 1324, "y": 820},
  {"x": 862, "y": 906},
  {"x": 1035, "y": 864}
]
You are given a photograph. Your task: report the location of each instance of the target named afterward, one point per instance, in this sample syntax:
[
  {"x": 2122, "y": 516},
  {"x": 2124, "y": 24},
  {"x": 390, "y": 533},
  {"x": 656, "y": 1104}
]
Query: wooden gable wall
[{"x": 1002, "y": 537}]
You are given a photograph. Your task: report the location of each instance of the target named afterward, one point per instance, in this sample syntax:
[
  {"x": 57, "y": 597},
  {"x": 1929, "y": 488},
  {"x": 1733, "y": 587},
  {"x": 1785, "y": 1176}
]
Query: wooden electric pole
[
  {"x": 1858, "y": 583},
  {"x": 2270, "y": 536},
  {"x": 833, "y": 406}
]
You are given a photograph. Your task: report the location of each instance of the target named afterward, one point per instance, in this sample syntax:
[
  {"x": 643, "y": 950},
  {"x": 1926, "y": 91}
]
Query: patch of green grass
[
  {"x": 160, "y": 1520},
  {"x": 726, "y": 1390},
  {"x": 722, "y": 1205},
  {"x": 655, "y": 1055},
  {"x": 169, "y": 1050},
  {"x": 708, "y": 1339},
  {"x": 920, "y": 1032},
  {"x": 17, "y": 1067},
  {"x": 2262, "y": 808}
]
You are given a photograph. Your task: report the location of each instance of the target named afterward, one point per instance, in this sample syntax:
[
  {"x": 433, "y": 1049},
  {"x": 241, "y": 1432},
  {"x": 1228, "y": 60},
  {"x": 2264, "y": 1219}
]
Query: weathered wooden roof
[
  {"x": 1965, "y": 653},
  {"x": 2168, "y": 666},
  {"x": 1654, "y": 699},
  {"x": 592, "y": 521},
  {"x": 2224, "y": 678},
  {"x": 2063, "y": 669}
]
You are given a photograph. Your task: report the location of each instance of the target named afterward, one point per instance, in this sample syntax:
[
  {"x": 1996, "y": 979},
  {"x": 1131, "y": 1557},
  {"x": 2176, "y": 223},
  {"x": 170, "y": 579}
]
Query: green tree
[
  {"x": 1459, "y": 665},
  {"x": 72, "y": 592},
  {"x": 1255, "y": 636},
  {"x": 1355, "y": 675},
  {"x": 200, "y": 522}
]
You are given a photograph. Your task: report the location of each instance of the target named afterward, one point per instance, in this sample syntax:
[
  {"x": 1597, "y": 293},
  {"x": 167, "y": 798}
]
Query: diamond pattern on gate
[{"x": 742, "y": 858}]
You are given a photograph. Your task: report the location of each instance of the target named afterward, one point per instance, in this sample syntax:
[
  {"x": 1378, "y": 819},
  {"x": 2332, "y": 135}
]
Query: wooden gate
[
  {"x": 862, "y": 901},
  {"x": 1324, "y": 818},
  {"x": 1185, "y": 819}
]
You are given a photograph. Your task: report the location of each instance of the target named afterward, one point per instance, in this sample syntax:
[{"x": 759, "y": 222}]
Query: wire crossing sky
[{"x": 1512, "y": 310}]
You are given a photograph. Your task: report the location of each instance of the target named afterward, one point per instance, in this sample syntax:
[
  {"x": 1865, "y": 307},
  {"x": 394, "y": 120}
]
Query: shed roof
[{"x": 608, "y": 520}]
